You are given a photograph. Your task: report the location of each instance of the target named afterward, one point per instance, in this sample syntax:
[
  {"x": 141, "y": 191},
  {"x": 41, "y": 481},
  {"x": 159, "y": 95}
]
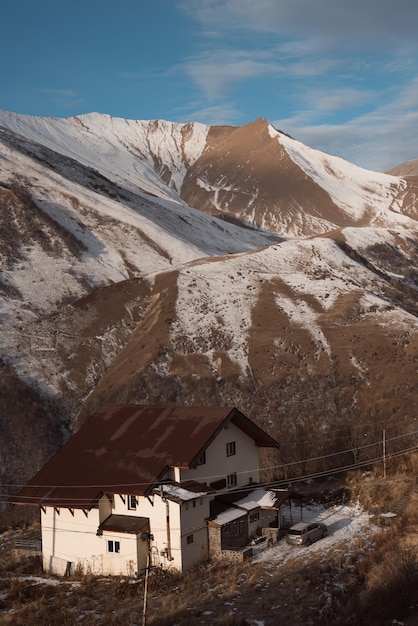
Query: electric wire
[
  {"x": 7, "y": 498},
  {"x": 209, "y": 478}
]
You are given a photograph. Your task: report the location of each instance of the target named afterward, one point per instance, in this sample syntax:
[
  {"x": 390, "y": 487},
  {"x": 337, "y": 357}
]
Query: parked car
[{"x": 303, "y": 533}]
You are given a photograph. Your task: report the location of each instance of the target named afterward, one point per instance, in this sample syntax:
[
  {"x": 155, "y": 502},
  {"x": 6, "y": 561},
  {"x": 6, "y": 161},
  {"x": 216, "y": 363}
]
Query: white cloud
[
  {"x": 328, "y": 22},
  {"x": 346, "y": 69},
  {"x": 379, "y": 139},
  {"x": 218, "y": 73},
  {"x": 337, "y": 99},
  {"x": 65, "y": 97},
  {"x": 219, "y": 114}
]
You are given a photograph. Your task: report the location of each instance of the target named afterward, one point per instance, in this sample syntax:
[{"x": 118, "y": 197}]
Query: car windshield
[{"x": 293, "y": 531}]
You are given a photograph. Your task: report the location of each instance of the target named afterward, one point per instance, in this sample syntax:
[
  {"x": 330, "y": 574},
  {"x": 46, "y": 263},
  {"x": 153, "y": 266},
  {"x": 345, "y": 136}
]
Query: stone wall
[
  {"x": 215, "y": 547},
  {"x": 272, "y": 534}
]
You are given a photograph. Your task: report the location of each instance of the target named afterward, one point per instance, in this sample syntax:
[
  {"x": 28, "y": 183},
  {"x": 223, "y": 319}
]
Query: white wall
[
  {"x": 126, "y": 561},
  {"x": 193, "y": 522},
  {"x": 156, "y": 511},
  {"x": 71, "y": 538},
  {"x": 218, "y": 465},
  {"x": 186, "y": 519},
  {"x": 106, "y": 506},
  {"x": 68, "y": 537}
]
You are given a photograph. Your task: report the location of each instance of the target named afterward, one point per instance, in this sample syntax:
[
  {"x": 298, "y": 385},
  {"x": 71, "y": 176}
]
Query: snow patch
[
  {"x": 301, "y": 314},
  {"x": 347, "y": 525},
  {"x": 355, "y": 190}
]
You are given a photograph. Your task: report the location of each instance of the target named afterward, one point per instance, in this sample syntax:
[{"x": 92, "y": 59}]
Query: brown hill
[
  {"x": 245, "y": 173},
  {"x": 409, "y": 168},
  {"x": 298, "y": 306}
]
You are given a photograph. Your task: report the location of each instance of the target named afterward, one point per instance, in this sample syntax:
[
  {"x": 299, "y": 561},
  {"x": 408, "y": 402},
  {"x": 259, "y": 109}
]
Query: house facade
[
  {"x": 245, "y": 519},
  {"x": 134, "y": 486}
]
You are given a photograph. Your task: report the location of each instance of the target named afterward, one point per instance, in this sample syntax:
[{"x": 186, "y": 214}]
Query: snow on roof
[
  {"x": 182, "y": 494},
  {"x": 230, "y": 515},
  {"x": 258, "y": 498}
]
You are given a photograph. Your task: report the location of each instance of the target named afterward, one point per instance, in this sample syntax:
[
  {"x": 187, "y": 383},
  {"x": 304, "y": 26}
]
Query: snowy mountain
[{"x": 154, "y": 262}]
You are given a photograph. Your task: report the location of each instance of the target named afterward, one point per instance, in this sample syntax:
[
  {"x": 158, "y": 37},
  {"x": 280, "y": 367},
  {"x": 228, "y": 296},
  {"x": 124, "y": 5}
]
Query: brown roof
[
  {"x": 125, "y": 524},
  {"x": 127, "y": 449}
]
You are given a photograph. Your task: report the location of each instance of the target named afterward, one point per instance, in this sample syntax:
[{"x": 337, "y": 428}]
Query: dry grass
[
  {"x": 370, "y": 584},
  {"x": 302, "y": 593},
  {"x": 377, "y": 494}
]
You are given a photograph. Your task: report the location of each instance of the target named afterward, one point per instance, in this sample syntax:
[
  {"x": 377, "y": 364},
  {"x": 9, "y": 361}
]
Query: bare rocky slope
[
  {"x": 152, "y": 262},
  {"x": 409, "y": 168}
]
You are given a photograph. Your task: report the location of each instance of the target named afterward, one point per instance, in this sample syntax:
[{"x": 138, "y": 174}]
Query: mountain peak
[{"x": 118, "y": 286}]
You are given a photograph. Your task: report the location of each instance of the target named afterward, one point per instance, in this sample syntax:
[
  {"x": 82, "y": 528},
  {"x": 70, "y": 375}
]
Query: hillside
[
  {"x": 364, "y": 572},
  {"x": 154, "y": 262},
  {"x": 409, "y": 168}
]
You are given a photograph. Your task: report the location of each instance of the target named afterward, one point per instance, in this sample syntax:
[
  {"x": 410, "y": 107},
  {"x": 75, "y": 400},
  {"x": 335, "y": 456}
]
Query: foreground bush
[{"x": 391, "y": 588}]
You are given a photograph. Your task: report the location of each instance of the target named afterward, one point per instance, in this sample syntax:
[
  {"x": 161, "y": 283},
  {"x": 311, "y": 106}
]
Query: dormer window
[{"x": 230, "y": 448}]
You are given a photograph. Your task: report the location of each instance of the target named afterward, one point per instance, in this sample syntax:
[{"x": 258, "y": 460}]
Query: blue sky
[{"x": 339, "y": 76}]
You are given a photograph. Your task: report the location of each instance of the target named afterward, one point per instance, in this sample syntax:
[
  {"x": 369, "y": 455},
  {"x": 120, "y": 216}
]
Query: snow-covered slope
[
  {"x": 252, "y": 173},
  {"x": 152, "y": 156},
  {"x": 361, "y": 194},
  {"x": 261, "y": 175},
  {"x": 167, "y": 263},
  {"x": 118, "y": 233}
]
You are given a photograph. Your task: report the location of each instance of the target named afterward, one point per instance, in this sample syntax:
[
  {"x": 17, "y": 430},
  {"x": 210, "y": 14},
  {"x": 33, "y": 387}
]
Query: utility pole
[
  {"x": 384, "y": 453},
  {"x": 144, "y": 609}
]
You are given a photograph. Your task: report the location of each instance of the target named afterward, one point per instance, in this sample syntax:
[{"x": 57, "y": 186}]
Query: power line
[
  {"x": 348, "y": 430},
  {"x": 103, "y": 487},
  {"x": 270, "y": 484}
]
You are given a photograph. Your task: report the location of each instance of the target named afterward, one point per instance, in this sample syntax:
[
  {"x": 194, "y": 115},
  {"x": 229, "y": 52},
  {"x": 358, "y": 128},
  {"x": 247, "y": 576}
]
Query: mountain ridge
[{"x": 157, "y": 263}]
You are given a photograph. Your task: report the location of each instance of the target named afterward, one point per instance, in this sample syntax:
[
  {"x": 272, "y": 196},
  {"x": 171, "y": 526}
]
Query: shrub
[{"x": 391, "y": 588}]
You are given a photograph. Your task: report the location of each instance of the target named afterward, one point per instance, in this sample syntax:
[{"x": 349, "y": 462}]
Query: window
[
  {"x": 231, "y": 479},
  {"x": 113, "y": 546},
  {"x": 254, "y": 516},
  {"x": 189, "y": 539},
  {"x": 202, "y": 459},
  {"x": 132, "y": 502},
  {"x": 230, "y": 448}
]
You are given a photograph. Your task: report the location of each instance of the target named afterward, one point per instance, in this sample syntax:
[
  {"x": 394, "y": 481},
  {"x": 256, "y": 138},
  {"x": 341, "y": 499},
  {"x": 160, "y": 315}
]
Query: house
[
  {"x": 136, "y": 483},
  {"x": 252, "y": 514}
]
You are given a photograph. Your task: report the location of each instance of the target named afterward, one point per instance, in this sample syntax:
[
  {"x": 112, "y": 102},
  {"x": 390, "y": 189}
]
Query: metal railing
[{"x": 28, "y": 545}]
